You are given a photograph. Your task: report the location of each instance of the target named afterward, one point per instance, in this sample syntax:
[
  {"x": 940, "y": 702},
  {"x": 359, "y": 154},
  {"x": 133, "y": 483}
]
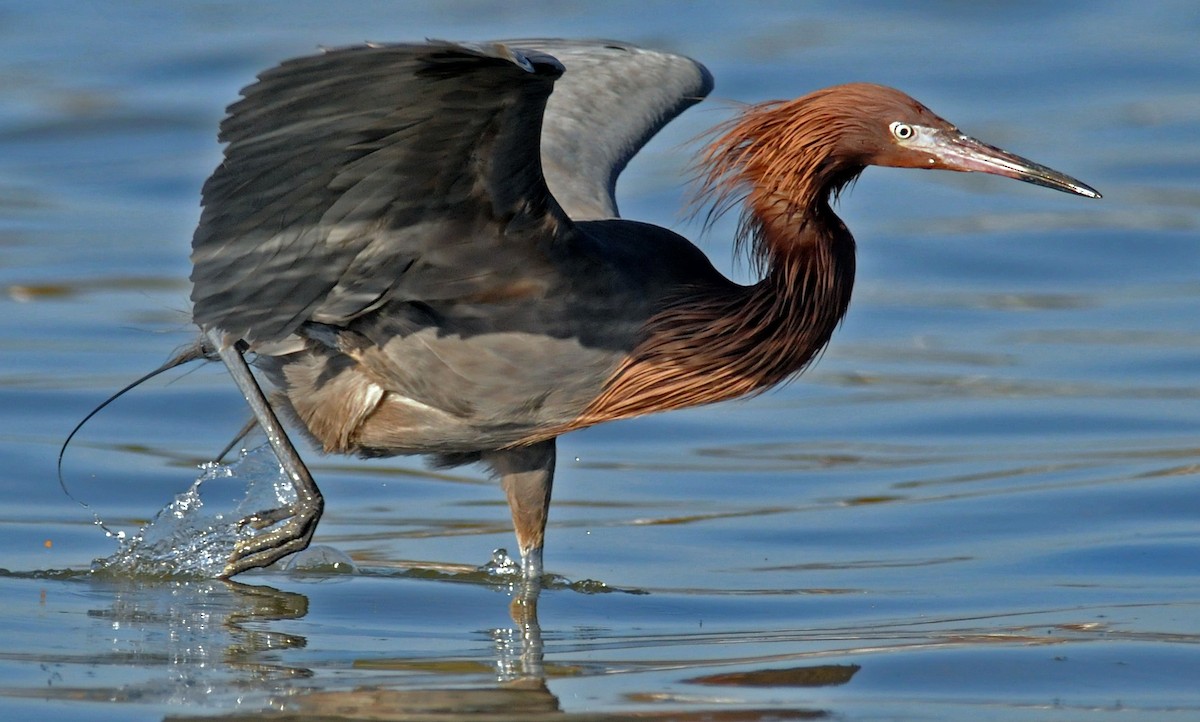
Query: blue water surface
[{"x": 982, "y": 503}]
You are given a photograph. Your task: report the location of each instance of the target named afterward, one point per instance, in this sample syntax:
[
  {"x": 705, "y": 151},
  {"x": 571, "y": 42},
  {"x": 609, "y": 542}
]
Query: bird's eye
[{"x": 902, "y": 131}]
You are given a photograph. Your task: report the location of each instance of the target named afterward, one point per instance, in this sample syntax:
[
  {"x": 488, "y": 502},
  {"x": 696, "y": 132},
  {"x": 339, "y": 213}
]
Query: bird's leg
[
  {"x": 300, "y": 521},
  {"x": 527, "y": 475}
]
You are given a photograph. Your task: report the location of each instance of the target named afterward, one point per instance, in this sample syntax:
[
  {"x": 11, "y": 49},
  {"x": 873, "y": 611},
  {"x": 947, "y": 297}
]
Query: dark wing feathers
[
  {"x": 411, "y": 172},
  {"x": 345, "y": 169}
]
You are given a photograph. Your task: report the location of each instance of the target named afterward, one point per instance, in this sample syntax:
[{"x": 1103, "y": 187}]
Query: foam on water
[{"x": 194, "y": 535}]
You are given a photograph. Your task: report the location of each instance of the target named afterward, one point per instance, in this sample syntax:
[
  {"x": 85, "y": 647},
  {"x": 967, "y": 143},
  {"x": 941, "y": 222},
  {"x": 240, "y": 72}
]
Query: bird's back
[{"x": 382, "y": 235}]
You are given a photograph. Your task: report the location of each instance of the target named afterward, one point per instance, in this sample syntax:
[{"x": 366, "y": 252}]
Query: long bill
[{"x": 955, "y": 151}]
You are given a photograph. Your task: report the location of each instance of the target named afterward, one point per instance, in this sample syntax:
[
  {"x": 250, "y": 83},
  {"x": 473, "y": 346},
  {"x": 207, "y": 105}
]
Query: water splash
[
  {"x": 501, "y": 565},
  {"x": 320, "y": 560},
  {"x": 194, "y": 535}
]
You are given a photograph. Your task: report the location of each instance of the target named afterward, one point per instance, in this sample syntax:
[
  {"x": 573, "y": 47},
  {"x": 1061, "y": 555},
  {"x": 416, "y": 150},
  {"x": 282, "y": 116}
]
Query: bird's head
[
  {"x": 797, "y": 152},
  {"x": 782, "y": 160},
  {"x": 877, "y": 125}
]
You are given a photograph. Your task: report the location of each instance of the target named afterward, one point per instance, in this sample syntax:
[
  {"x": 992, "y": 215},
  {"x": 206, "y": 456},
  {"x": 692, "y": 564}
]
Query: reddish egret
[{"x": 420, "y": 246}]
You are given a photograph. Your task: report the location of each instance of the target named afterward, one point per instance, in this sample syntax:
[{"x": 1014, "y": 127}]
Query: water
[
  {"x": 196, "y": 533},
  {"x": 981, "y": 504}
]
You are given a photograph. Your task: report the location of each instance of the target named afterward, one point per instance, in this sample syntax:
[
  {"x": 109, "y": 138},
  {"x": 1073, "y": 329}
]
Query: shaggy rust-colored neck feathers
[{"x": 781, "y": 161}]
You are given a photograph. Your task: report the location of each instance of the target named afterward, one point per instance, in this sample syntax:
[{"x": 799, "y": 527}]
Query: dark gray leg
[
  {"x": 527, "y": 475},
  {"x": 299, "y": 522}
]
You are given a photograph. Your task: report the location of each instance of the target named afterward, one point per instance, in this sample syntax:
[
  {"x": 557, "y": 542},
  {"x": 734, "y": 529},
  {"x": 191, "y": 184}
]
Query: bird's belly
[
  {"x": 438, "y": 395},
  {"x": 400, "y": 425}
]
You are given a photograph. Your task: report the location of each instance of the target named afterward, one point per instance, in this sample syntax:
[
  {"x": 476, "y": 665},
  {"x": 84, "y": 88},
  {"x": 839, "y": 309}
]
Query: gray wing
[
  {"x": 612, "y": 99},
  {"x": 369, "y": 174}
]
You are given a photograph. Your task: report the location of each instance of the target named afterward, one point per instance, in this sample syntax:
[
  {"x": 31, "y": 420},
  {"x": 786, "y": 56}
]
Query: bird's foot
[
  {"x": 531, "y": 565},
  {"x": 530, "y": 586},
  {"x": 290, "y": 530}
]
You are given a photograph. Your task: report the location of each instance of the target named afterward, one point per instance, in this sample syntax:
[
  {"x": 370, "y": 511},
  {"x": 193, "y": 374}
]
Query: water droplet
[
  {"x": 320, "y": 559},
  {"x": 194, "y": 535},
  {"x": 501, "y": 564}
]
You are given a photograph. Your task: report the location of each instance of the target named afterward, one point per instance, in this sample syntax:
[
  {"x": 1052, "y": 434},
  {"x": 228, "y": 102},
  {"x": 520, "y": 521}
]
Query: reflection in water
[
  {"x": 222, "y": 647},
  {"x": 207, "y": 628},
  {"x": 215, "y": 645},
  {"x": 527, "y": 701},
  {"x": 198, "y": 641},
  {"x": 522, "y": 651},
  {"x": 262, "y": 604},
  {"x": 211, "y": 635},
  {"x": 186, "y": 639},
  {"x": 822, "y": 675}
]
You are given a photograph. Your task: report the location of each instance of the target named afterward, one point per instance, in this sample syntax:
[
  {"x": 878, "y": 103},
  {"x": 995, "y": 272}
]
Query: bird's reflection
[
  {"x": 261, "y": 604},
  {"x": 205, "y": 622},
  {"x": 520, "y": 692},
  {"x": 220, "y": 626},
  {"x": 211, "y": 621},
  {"x": 529, "y": 662},
  {"x": 225, "y": 636}
]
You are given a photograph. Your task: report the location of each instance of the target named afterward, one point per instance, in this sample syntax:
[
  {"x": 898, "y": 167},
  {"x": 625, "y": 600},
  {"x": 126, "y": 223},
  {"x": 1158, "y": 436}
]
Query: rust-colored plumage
[
  {"x": 421, "y": 245},
  {"x": 781, "y": 161}
]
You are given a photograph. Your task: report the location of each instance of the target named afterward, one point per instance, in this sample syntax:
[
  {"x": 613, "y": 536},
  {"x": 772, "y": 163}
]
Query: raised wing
[
  {"x": 373, "y": 173},
  {"x": 612, "y": 99}
]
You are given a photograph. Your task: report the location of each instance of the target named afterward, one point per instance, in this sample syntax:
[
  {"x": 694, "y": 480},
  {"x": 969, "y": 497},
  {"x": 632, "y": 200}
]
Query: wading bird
[{"x": 420, "y": 246}]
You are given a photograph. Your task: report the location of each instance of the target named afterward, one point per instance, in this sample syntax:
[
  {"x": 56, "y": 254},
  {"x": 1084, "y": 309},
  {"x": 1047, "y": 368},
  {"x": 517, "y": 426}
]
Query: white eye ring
[{"x": 901, "y": 131}]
